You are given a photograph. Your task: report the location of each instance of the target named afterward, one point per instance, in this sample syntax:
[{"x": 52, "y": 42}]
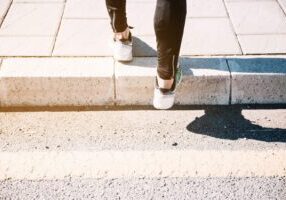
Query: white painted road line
[{"x": 152, "y": 164}]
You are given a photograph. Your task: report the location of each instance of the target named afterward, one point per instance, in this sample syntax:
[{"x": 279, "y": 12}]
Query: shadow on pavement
[
  {"x": 258, "y": 65},
  {"x": 231, "y": 124},
  {"x": 142, "y": 49}
]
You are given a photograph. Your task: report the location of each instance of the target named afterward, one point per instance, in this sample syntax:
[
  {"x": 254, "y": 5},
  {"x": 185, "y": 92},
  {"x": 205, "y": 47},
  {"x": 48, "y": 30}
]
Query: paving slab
[
  {"x": 144, "y": 41},
  {"x": 38, "y": 1},
  {"x": 85, "y": 9},
  {"x": 283, "y": 4},
  {"x": 26, "y": 46},
  {"x": 205, "y": 81},
  {"x": 142, "y": 21},
  {"x": 258, "y": 80},
  {"x": 206, "y": 36},
  {"x": 84, "y": 37},
  {"x": 4, "y": 6},
  {"x": 206, "y": 8},
  {"x": 257, "y": 17},
  {"x": 56, "y": 81},
  {"x": 32, "y": 19},
  {"x": 144, "y": 46},
  {"x": 97, "y": 9},
  {"x": 263, "y": 44}
]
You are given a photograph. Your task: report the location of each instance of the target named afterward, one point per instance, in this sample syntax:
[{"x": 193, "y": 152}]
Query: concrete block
[
  {"x": 258, "y": 80},
  {"x": 135, "y": 81},
  {"x": 205, "y": 81},
  {"x": 209, "y": 36},
  {"x": 263, "y": 44},
  {"x": 56, "y": 82},
  {"x": 257, "y": 17},
  {"x": 26, "y": 46},
  {"x": 84, "y": 37},
  {"x": 32, "y": 19}
]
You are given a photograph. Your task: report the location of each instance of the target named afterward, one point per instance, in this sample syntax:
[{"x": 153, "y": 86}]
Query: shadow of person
[
  {"x": 142, "y": 48},
  {"x": 231, "y": 124}
]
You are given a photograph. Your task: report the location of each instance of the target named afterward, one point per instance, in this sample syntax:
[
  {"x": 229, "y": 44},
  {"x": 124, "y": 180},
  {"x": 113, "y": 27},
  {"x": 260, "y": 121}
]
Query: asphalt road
[
  {"x": 163, "y": 188},
  {"x": 220, "y": 129}
]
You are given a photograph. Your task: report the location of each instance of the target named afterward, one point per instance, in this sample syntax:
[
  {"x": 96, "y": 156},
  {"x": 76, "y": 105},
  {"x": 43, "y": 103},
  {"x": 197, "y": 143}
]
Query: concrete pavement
[
  {"x": 76, "y": 28},
  {"x": 57, "y": 60},
  {"x": 57, "y": 53}
]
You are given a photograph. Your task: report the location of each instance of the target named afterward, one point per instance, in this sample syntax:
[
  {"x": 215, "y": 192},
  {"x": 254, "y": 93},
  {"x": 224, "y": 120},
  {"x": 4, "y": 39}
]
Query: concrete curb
[
  {"x": 258, "y": 80},
  {"x": 97, "y": 81}
]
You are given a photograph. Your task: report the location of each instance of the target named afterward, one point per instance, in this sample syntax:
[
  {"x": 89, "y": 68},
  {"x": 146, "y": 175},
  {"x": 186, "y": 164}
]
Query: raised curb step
[
  {"x": 53, "y": 82},
  {"x": 97, "y": 81}
]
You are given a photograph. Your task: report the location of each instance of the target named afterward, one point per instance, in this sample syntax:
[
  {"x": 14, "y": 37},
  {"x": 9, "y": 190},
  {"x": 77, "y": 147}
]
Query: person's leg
[
  {"x": 122, "y": 39},
  {"x": 117, "y": 13},
  {"x": 118, "y": 21},
  {"x": 169, "y": 22}
]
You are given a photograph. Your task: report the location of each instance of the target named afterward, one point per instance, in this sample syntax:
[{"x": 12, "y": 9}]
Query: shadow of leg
[
  {"x": 142, "y": 49},
  {"x": 231, "y": 124}
]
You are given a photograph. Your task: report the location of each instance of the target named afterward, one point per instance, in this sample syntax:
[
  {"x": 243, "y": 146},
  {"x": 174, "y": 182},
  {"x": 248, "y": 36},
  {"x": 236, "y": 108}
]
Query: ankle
[
  {"x": 165, "y": 84},
  {"x": 122, "y": 35}
]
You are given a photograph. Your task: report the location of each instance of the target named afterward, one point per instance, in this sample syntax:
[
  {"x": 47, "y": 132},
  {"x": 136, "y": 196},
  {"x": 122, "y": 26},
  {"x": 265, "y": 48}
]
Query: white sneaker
[
  {"x": 164, "y": 98},
  {"x": 122, "y": 49}
]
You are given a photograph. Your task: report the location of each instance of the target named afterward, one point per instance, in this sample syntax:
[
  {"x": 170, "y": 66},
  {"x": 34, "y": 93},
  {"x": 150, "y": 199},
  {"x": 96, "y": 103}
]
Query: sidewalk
[{"x": 52, "y": 53}]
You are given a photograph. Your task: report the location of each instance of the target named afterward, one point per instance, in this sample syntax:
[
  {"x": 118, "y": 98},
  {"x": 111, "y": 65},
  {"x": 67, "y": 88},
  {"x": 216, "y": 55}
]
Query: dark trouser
[{"x": 169, "y": 22}]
